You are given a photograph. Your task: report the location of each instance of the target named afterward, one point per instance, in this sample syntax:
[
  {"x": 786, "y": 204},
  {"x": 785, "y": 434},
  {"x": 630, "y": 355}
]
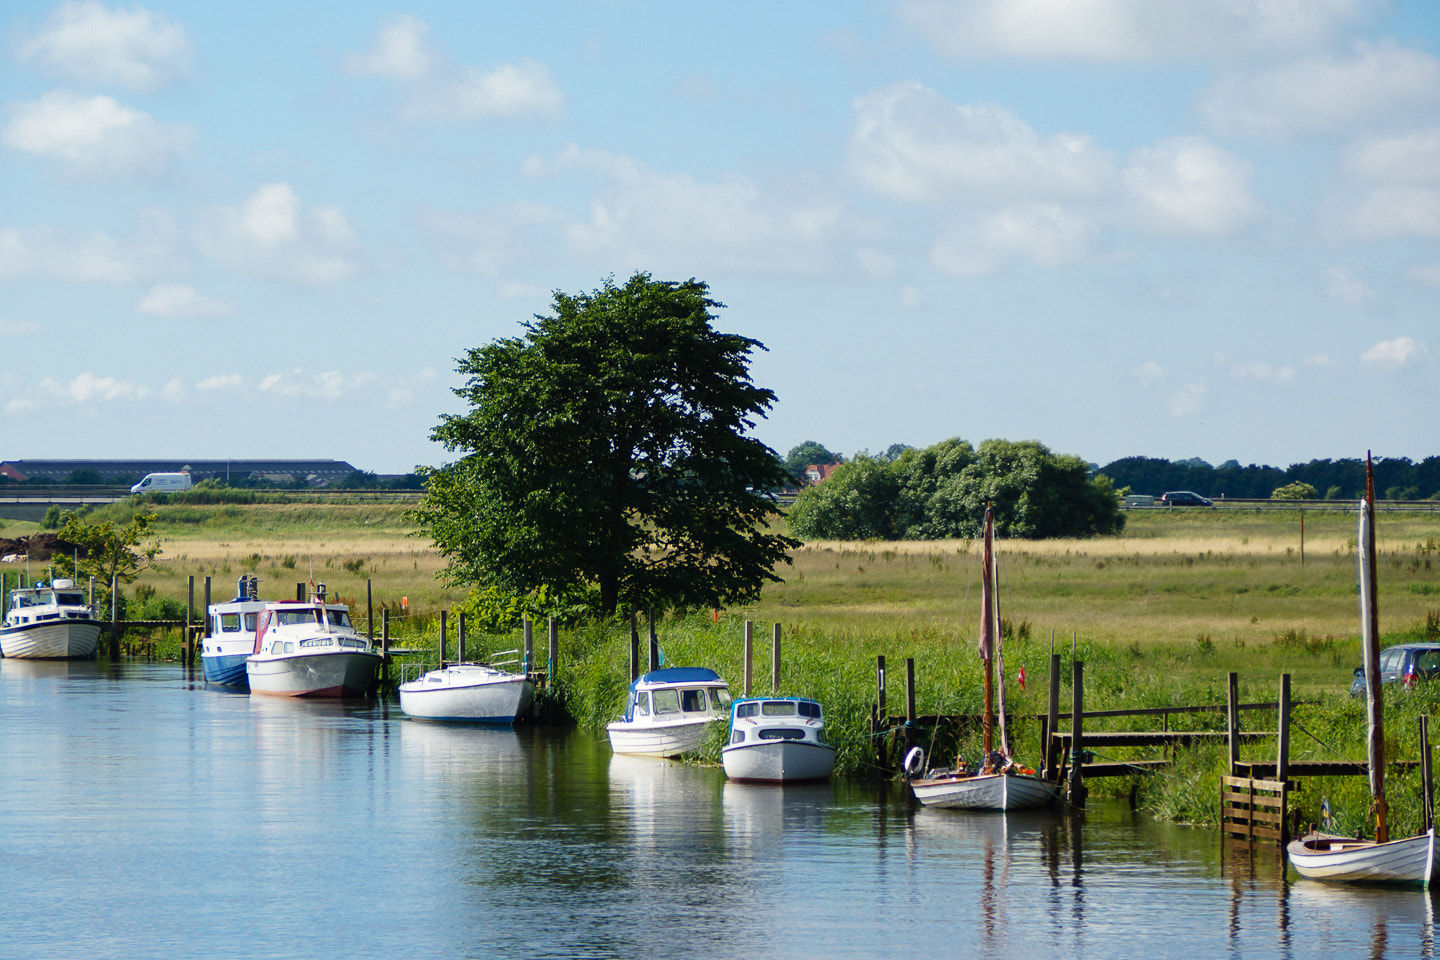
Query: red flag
[{"x": 1021, "y": 677}]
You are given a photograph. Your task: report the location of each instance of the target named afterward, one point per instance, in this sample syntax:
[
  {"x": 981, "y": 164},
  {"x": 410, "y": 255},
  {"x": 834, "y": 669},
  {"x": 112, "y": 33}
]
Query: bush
[{"x": 1298, "y": 490}]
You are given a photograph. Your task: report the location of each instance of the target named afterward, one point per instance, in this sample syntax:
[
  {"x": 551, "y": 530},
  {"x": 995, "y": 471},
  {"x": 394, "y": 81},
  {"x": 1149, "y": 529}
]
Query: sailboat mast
[
  {"x": 987, "y": 635},
  {"x": 1370, "y": 644}
]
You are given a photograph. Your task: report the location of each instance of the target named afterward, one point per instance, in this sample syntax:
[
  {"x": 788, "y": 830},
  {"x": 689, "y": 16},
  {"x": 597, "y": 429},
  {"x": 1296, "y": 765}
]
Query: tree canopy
[
  {"x": 941, "y": 492},
  {"x": 108, "y": 553},
  {"x": 607, "y": 448},
  {"x": 803, "y": 454}
]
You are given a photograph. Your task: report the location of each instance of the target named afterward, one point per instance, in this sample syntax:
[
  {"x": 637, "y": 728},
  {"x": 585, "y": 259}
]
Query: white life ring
[{"x": 914, "y": 761}]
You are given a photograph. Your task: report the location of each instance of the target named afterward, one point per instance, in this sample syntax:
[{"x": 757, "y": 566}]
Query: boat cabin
[
  {"x": 677, "y": 693},
  {"x": 61, "y": 600},
  {"x": 776, "y": 719}
]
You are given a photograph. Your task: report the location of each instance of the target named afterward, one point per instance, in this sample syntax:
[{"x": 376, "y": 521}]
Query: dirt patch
[{"x": 38, "y": 546}]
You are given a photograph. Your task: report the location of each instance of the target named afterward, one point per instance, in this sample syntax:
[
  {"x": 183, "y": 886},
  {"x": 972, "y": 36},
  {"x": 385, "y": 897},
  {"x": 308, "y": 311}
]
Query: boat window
[
  {"x": 250, "y": 622},
  {"x": 339, "y": 618},
  {"x": 642, "y": 704},
  {"x": 317, "y": 642},
  {"x": 352, "y": 642},
  {"x": 778, "y": 708},
  {"x": 820, "y": 735},
  {"x": 809, "y": 709},
  {"x": 72, "y": 599},
  {"x": 720, "y": 698},
  {"x": 666, "y": 701},
  {"x": 738, "y": 736},
  {"x": 692, "y": 701},
  {"x": 229, "y": 623},
  {"x": 289, "y": 647},
  {"x": 747, "y": 709},
  {"x": 782, "y": 733},
  {"x": 291, "y": 617}
]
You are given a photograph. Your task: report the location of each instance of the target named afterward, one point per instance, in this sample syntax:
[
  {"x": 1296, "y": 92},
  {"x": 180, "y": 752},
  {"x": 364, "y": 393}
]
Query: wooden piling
[
  {"x": 529, "y": 661},
  {"x": 207, "y": 607},
  {"x": 369, "y": 611},
  {"x": 775, "y": 662},
  {"x": 749, "y": 657},
  {"x": 1077, "y": 737},
  {"x": 384, "y": 647},
  {"x": 1232, "y": 721},
  {"x": 634, "y": 648},
  {"x": 1050, "y": 771},
  {"x": 654, "y": 641},
  {"x": 1282, "y": 731},
  {"x": 553, "y": 662},
  {"x": 443, "y": 626},
  {"x": 909, "y": 703},
  {"x": 460, "y": 638},
  {"x": 188, "y": 648},
  {"x": 300, "y": 593}
]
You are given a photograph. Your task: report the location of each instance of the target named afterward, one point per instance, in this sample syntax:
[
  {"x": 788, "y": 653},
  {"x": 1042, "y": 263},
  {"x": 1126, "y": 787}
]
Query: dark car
[
  {"x": 1185, "y": 498},
  {"x": 1404, "y": 663}
]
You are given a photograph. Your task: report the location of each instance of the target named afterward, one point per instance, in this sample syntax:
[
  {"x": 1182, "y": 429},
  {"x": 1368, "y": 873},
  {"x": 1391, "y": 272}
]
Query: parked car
[
  {"x": 1185, "y": 498},
  {"x": 1404, "y": 663}
]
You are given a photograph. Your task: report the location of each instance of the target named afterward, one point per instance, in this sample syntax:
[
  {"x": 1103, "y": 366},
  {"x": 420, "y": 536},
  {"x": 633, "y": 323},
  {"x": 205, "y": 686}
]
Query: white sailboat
[
  {"x": 999, "y": 783},
  {"x": 1323, "y": 856}
]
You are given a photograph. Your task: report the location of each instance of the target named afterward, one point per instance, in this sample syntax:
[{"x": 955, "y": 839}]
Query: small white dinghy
[
  {"x": 1323, "y": 856},
  {"x": 777, "y": 740},
  {"x": 468, "y": 693},
  {"x": 670, "y": 712}
]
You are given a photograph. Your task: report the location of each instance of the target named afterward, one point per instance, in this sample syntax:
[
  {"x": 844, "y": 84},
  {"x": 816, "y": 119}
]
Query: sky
[{"x": 1198, "y": 228}]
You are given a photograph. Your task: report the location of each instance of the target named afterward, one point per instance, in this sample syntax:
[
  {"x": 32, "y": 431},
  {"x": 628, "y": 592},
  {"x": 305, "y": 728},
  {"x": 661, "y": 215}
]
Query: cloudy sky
[{"x": 1120, "y": 227}]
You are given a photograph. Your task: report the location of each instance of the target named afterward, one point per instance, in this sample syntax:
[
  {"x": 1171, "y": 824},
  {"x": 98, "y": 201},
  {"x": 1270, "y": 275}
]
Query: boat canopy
[{"x": 677, "y": 675}]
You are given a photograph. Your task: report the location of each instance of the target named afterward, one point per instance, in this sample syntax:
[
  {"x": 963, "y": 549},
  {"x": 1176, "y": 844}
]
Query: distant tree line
[
  {"x": 941, "y": 492},
  {"x": 1396, "y": 478}
]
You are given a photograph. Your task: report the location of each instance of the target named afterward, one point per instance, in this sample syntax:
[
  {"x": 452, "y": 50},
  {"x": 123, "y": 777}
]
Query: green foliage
[
  {"x": 488, "y": 609},
  {"x": 85, "y": 478},
  {"x": 941, "y": 493},
  {"x": 804, "y": 454},
  {"x": 106, "y": 552},
  {"x": 1299, "y": 490},
  {"x": 54, "y": 516},
  {"x": 606, "y": 448}
]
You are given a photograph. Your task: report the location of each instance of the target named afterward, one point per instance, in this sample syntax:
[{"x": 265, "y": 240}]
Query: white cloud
[
  {"x": 1045, "y": 234},
  {"x": 1188, "y": 185},
  {"x": 1407, "y": 158},
  {"x": 87, "y": 387},
  {"x": 1345, "y": 287},
  {"x": 1394, "y": 353},
  {"x": 1126, "y": 30},
  {"x": 1377, "y": 83},
  {"x": 272, "y": 234},
  {"x": 328, "y": 385},
  {"x": 1397, "y": 211},
  {"x": 17, "y": 328},
  {"x": 224, "y": 381},
  {"x": 910, "y": 143},
  {"x": 96, "y": 257},
  {"x": 671, "y": 221},
  {"x": 437, "y": 88},
  {"x": 180, "y": 300},
  {"x": 90, "y": 43},
  {"x": 1429, "y": 274},
  {"x": 94, "y": 136},
  {"x": 911, "y": 297},
  {"x": 492, "y": 242},
  {"x": 1181, "y": 399},
  {"x": 1259, "y": 370}
]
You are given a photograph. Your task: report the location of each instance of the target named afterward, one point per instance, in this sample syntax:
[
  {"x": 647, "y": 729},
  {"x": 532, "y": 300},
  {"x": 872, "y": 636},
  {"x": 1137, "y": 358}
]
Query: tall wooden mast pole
[
  {"x": 1370, "y": 640},
  {"x": 987, "y": 635}
]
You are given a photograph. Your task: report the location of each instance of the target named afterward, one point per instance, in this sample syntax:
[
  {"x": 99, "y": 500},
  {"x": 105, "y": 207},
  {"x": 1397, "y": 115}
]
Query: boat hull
[
  {"x": 779, "y": 761},
  {"x": 226, "y": 670},
  {"x": 994, "y": 791},
  {"x": 344, "y": 674},
  {"x": 467, "y": 696},
  {"x": 64, "y": 639},
  {"x": 639, "y": 739},
  {"x": 1325, "y": 857}
]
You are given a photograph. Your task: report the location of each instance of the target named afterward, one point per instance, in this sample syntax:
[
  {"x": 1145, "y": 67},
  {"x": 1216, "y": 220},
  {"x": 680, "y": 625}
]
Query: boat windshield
[
  {"x": 810, "y": 709},
  {"x": 285, "y": 618},
  {"x": 720, "y": 698},
  {"x": 642, "y": 704},
  {"x": 666, "y": 701},
  {"x": 778, "y": 708},
  {"x": 338, "y": 618}
]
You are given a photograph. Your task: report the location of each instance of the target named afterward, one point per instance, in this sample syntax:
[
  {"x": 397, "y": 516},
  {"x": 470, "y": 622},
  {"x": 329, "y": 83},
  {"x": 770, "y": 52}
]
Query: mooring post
[
  {"x": 553, "y": 635},
  {"x": 909, "y": 703},
  {"x": 775, "y": 662},
  {"x": 460, "y": 638},
  {"x": 1427, "y": 805},
  {"x": 369, "y": 611},
  {"x": 443, "y": 626},
  {"x": 189, "y": 646},
  {"x": 1052, "y": 721},
  {"x": 1232, "y": 721},
  {"x": 654, "y": 641},
  {"x": 300, "y": 592},
  {"x": 634, "y": 647},
  {"x": 529, "y": 631},
  {"x": 384, "y": 647},
  {"x": 880, "y": 712},
  {"x": 206, "y": 631},
  {"x": 1282, "y": 732},
  {"x": 749, "y": 656},
  {"x": 1077, "y": 736},
  {"x": 114, "y": 633}
]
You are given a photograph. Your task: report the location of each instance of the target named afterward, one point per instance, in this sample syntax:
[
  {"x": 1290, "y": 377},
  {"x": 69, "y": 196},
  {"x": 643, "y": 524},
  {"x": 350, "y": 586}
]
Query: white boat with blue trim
[
  {"x": 49, "y": 622},
  {"x": 231, "y": 636},
  {"x": 670, "y": 712},
  {"x": 468, "y": 693},
  {"x": 777, "y": 740}
]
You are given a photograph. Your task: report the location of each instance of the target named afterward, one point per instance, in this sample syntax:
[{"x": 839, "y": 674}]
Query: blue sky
[{"x": 1194, "y": 228}]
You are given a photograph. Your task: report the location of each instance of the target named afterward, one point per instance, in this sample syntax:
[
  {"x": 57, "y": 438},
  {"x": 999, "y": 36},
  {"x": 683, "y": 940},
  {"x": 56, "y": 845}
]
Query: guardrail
[{"x": 1238, "y": 503}]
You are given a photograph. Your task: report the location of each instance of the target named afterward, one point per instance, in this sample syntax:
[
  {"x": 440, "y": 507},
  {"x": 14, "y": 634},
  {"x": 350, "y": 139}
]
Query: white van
[{"x": 163, "y": 483}]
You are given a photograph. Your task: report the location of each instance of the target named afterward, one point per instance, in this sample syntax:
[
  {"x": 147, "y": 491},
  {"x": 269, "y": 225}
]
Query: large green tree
[
  {"x": 106, "y": 552},
  {"x": 607, "y": 447}
]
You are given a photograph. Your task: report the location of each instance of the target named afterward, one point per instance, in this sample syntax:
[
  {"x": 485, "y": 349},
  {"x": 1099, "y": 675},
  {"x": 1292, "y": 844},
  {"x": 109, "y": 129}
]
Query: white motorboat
[
  {"x": 231, "y": 636},
  {"x": 670, "y": 712},
  {"x": 310, "y": 649},
  {"x": 49, "y": 623},
  {"x": 1322, "y": 856},
  {"x": 777, "y": 740},
  {"x": 998, "y": 782},
  {"x": 469, "y": 692}
]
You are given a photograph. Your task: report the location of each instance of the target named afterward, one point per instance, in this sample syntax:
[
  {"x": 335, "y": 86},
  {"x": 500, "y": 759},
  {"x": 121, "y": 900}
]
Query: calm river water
[{"x": 142, "y": 815}]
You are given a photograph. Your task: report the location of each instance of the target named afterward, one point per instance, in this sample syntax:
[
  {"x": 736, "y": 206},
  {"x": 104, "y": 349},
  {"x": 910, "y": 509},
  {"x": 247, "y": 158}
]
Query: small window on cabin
[
  {"x": 810, "y": 710},
  {"x": 746, "y": 709},
  {"x": 782, "y": 733},
  {"x": 692, "y": 701},
  {"x": 642, "y": 704},
  {"x": 229, "y": 623},
  {"x": 289, "y": 647},
  {"x": 720, "y": 698},
  {"x": 666, "y": 701},
  {"x": 250, "y": 622},
  {"x": 72, "y": 599},
  {"x": 778, "y": 708},
  {"x": 339, "y": 618},
  {"x": 738, "y": 736}
]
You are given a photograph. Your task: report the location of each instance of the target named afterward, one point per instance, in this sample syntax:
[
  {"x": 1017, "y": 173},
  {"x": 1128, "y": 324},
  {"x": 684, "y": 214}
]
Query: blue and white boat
[
  {"x": 670, "y": 712},
  {"x": 231, "y": 640}
]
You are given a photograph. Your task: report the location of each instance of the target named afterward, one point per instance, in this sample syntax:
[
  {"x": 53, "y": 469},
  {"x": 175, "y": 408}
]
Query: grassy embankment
[{"x": 1159, "y": 616}]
